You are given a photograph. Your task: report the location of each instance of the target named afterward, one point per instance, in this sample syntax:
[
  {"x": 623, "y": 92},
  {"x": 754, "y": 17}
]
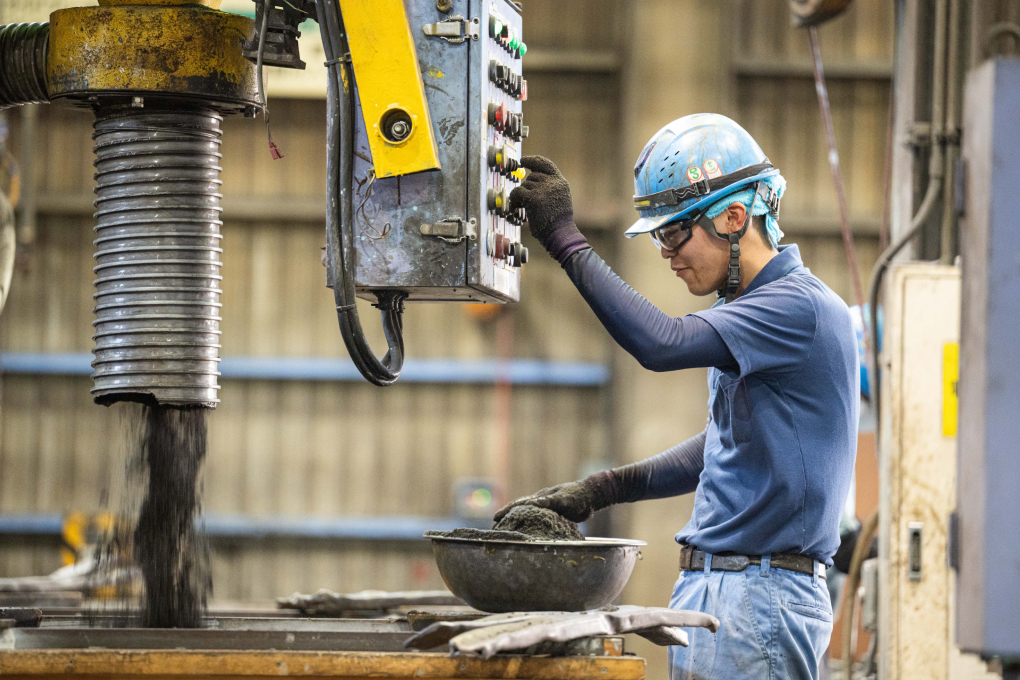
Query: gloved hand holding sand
[
  {"x": 540, "y": 523},
  {"x": 522, "y": 523}
]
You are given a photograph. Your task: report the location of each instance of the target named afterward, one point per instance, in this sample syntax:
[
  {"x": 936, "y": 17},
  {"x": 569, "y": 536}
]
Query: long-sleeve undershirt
[
  {"x": 673, "y": 472},
  {"x": 658, "y": 341}
]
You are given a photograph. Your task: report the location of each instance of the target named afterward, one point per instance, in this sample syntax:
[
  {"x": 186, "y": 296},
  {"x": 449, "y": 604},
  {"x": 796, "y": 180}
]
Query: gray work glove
[
  {"x": 545, "y": 197},
  {"x": 576, "y": 501}
]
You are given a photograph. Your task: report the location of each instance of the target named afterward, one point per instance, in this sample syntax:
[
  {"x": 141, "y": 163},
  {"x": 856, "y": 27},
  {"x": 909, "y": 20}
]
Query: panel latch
[
  {"x": 914, "y": 550},
  {"x": 452, "y": 229},
  {"x": 454, "y": 30}
]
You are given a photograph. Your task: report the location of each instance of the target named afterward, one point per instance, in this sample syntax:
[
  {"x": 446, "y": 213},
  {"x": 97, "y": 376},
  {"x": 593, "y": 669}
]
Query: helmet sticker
[
  {"x": 712, "y": 169},
  {"x": 643, "y": 158},
  {"x": 694, "y": 174}
]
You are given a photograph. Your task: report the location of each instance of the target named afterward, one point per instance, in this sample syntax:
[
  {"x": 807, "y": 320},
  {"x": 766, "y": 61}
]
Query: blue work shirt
[{"x": 782, "y": 433}]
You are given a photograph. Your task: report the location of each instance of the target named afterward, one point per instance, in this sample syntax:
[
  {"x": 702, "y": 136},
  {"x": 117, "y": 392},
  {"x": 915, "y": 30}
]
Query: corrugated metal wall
[
  {"x": 284, "y": 448},
  {"x": 329, "y": 449}
]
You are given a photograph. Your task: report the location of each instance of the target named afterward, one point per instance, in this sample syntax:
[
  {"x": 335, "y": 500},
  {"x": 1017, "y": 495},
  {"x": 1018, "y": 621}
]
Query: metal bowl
[{"x": 514, "y": 576}]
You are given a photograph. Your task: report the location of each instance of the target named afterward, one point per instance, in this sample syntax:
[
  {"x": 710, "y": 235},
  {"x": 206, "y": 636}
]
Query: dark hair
[{"x": 758, "y": 221}]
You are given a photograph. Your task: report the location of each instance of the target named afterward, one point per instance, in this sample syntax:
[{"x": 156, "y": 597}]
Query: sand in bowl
[{"x": 523, "y": 523}]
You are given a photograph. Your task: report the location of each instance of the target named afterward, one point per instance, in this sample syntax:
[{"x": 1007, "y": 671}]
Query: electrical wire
[
  {"x": 340, "y": 213},
  {"x": 936, "y": 172},
  {"x": 266, "y": 9},
  {"x": 837, "y": 183}
]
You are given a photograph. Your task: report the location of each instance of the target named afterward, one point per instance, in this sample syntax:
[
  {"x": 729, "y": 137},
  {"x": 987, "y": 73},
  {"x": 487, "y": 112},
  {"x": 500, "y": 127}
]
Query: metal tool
[{"x": 517, "y": 576}]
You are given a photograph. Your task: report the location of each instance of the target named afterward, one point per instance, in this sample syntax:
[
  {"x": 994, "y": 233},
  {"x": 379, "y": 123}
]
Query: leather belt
[{"x": 692, "y": 559}]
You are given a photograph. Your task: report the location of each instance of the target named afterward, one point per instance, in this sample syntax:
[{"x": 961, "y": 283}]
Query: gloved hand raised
[
  {"x": 577, "y": 501},
  {"x": 545, "y": 197}
]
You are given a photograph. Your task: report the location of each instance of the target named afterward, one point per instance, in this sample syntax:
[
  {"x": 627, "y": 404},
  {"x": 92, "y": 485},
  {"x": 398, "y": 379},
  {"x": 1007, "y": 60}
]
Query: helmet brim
[
  {"x": 649, "y": 224},
  {"x": 646, "y": 225}
]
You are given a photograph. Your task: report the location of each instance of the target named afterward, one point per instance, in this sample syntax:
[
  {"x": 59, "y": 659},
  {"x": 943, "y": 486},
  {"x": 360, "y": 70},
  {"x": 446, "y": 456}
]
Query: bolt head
[{"x": 400, "y": 130}]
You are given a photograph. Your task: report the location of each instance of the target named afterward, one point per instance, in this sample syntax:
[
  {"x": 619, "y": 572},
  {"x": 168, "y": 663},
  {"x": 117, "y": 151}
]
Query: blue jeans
[{"x": 775, "y": 625}]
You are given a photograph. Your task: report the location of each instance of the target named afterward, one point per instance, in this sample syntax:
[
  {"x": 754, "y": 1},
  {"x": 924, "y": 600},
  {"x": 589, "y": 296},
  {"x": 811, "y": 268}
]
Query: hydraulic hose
[
  {"x": 853, "y": 581},
  {"x": 23, "y": 64},
  {"x": 339, "y": 212}
]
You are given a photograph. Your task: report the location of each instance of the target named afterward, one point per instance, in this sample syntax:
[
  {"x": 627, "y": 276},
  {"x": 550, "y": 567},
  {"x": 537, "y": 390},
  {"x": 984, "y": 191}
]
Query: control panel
[{"x": 448, "y": 234}]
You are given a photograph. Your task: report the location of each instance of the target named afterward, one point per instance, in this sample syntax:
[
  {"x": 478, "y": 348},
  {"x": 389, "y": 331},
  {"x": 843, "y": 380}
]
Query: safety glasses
[{"x": 674, "y": 235}]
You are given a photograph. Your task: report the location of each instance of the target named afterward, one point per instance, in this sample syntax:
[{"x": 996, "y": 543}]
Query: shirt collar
[{"x": 779, "y": 266}]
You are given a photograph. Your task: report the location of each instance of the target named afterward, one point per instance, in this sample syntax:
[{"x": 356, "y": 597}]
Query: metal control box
[
  {"x": 986, "y": 549},
  {"x": 447, "y": 234}
]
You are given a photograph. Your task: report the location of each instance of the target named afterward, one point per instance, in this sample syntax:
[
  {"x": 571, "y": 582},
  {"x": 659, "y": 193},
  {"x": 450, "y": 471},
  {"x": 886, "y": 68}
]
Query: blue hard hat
[{"x": 691, "y": 163}]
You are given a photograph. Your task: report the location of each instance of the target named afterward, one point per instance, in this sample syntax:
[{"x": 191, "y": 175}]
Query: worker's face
[{"x": 702, "y": 262}]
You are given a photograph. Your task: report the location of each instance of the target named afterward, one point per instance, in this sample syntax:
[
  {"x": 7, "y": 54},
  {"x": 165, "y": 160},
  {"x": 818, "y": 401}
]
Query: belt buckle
[
  {"x": 686, "y": 555},
  {"x": 741, "y": 562}
]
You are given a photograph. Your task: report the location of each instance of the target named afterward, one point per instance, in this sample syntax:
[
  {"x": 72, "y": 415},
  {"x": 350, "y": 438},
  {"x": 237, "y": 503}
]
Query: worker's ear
[{"x": 732, "y": 219}]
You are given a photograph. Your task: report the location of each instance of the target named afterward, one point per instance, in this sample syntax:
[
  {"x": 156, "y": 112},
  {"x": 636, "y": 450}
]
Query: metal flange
[{"x": 166, "y": 50}]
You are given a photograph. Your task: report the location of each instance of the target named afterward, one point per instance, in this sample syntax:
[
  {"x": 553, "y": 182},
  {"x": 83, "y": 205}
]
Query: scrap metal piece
[
  {"x": 502, "y": 632},
  {"x": 328, "y": 603},
  {"x": 20, "y": 617}
]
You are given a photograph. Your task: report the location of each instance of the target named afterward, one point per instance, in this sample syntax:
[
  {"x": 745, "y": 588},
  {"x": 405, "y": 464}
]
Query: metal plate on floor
[{"x": 347, "y": 635}]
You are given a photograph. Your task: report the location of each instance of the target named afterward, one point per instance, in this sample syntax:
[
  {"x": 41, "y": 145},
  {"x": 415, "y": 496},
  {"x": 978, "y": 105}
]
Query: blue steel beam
[
  {"x": 473, "y": 371},
  {"x": 388, "y": 528}
]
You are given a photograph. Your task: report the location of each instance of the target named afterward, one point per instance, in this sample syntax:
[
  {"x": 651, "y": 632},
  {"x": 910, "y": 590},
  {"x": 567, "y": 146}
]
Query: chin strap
[{"x": 733, "y": 271}]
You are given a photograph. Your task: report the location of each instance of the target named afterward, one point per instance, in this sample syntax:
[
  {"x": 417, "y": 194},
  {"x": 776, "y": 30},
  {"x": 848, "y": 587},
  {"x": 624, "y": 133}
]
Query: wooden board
[{"x": 160, "y": 665}]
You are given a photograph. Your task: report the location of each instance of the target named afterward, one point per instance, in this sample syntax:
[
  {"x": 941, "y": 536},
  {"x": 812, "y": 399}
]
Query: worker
[{"x": 772, "y": 469}]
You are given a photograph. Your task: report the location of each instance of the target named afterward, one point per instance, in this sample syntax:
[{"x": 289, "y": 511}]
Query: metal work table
[{"x": 242, "y": 647}]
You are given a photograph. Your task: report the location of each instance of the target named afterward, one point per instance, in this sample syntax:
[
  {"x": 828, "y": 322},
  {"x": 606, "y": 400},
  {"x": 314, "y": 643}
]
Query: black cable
[{"x": 340, "y": 214}]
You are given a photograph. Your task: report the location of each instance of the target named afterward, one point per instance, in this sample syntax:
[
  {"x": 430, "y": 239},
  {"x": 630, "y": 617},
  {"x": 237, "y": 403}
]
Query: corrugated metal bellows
[
  {"x": 158, "y": 254},
  {"x": 23, "y": 64}
]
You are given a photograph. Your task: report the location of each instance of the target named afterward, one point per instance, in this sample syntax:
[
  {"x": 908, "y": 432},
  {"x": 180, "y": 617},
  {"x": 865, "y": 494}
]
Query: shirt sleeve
[
  {"x": 658, "y": 341},
  {"x": 674, "y": 472},
  {"x": 770, "y": 329}
]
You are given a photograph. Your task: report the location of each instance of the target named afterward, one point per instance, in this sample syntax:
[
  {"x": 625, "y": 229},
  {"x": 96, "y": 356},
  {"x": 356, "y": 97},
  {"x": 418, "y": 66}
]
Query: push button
[{"x": 497, "y": 201}]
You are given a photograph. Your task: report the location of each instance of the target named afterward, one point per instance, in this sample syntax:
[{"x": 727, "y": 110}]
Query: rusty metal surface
[
  {"x": 212, "y": 4},
  {"x": 189, "y": 51}
]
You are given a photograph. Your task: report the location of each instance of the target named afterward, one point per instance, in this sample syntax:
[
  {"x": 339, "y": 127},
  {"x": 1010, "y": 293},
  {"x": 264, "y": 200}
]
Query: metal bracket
[
  {"x": 451, "y": 230},
  {"x": 454, "y": 30}
]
